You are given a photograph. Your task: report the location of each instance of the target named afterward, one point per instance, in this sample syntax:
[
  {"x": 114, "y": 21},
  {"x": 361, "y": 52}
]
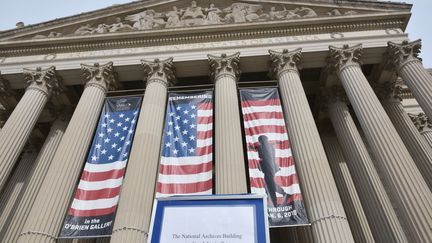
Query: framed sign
[{"x": 215, "y": 218}]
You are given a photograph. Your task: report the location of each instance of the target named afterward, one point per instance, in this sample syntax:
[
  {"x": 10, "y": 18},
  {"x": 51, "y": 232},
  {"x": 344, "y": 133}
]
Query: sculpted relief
[{"x": 195, "y": 15}]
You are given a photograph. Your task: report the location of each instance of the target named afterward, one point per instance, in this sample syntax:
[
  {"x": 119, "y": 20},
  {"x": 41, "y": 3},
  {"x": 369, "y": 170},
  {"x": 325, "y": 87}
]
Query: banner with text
[
  {"x": 271, "y": 164},
  {"x": 187, "y": 148},
  {"x": 95, "y": 202}
]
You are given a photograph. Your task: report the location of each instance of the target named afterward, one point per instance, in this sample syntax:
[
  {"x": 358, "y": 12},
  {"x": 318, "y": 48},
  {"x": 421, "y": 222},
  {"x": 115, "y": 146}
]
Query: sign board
[{"x": 215, "y": 219}]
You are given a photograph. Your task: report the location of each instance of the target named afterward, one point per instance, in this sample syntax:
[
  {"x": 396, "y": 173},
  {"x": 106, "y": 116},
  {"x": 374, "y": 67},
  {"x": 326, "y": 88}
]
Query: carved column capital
[
  {"x": 101, "y": 76},
  {"x": 161, "y": 71},
  {"x": 224, "y": 65},
  {"x": 346, "y": 56},
  {"x": 44, "y": 80},
  {"x": 284, "y": 61},
  {"x": 404, "y": 53},
  {"x": 5, "y": 89},
  {"x": 421, "y": 121},
  {"x": 390, "y": 91},
  {"x": 333, "y": 94}
]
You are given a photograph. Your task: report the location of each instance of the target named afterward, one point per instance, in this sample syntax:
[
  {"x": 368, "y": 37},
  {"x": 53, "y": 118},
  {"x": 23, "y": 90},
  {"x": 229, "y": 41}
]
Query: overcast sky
[{"x": 36, "y": 11}]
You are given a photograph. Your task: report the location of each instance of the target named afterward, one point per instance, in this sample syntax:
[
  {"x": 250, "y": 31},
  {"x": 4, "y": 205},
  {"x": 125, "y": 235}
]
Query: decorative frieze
[
  {"x": 102, "y": 76},
  {"x": 162, "y": 71},
  {"x": 225, "y": 65},
  {"x": 284, "y": 61}
]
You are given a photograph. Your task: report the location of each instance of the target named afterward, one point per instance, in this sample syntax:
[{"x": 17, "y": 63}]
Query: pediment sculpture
[{"x": 195, "y": 15}]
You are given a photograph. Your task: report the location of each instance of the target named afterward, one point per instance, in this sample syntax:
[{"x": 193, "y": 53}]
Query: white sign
[{"x": 209, "y": 219}]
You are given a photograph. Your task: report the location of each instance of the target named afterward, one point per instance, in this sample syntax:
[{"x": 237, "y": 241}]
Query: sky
[{"x": 36, "y": 11}]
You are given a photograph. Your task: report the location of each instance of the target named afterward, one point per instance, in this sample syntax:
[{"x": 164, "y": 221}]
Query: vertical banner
[
  {"x": 95, "y": 202},
  {"x": 271, "y": 164},
  {"x": 187, "y": 148}
]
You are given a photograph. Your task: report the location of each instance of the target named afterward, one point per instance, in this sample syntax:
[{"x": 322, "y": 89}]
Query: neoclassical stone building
[{"x": 356, "y": 101}]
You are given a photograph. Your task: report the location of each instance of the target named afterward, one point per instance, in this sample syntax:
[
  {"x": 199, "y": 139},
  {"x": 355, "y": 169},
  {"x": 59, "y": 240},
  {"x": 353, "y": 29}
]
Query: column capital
[
  {"x": 334, "y": 94},
  {"x": 421, "y": 121},
  {"x": 5, "y": 89},
  {"x": 101, "y": 76},
  {"x": 346, "y": 56},
  {"x": 44, "y": 80},
  {"x": 401, "y": 54},
  {"x": 161, "y": 71},
  {"x": 284, "y": 61},
  {"x": 224, "y": 65},
  {"x": 390, "y": 91}
]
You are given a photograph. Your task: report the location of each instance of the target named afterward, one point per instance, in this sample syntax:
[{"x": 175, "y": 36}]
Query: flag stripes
[{"x": 187, "y": 152}]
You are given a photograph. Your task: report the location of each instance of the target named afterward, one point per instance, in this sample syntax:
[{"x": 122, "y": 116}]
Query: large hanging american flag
[
  {"x": 93, "y": 207},
  {"x": 187, "y": 149},
  {"x": 271, "y": 164}
]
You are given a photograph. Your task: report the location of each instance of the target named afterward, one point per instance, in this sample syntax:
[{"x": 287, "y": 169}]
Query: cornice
[{"x": 201, "y": 34}]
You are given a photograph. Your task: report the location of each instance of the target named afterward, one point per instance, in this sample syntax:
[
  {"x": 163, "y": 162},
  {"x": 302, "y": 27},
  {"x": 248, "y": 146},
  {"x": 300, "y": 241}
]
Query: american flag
[
  {"x": 187, "y": 149},
  {"x": 262, "y": 115},
  {"x": 98, "y": 190}
]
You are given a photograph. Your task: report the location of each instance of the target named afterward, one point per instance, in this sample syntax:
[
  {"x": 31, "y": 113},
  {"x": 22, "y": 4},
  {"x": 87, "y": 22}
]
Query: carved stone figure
[
  {"x": 307, "y": 12},
  {"x": 213, "y": 15},
  {"x": 193, "y": 15},
  {"x": 351, "y": 12},
  {"x": 100, "y": 29},
  {"x": 335, "y": 12},
  {"x": 119, "y": 26},
  {"x": 173, "y": 18},
  {"x": 277, "y": 15},
  {"x": 235, "y": 13},
  {"x": 84, "y": 30},
  {"x": 255, "y": 13},
  {"x": 146, "y": 20},
  {"x": 51, "y": 34}
]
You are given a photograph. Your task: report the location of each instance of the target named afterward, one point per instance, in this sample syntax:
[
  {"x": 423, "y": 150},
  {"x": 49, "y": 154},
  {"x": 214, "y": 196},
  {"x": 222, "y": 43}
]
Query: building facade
[{"x": 355, "y": 96}]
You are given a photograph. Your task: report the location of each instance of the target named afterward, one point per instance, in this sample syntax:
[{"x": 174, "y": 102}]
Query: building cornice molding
[{"x": 198, "y": 34}]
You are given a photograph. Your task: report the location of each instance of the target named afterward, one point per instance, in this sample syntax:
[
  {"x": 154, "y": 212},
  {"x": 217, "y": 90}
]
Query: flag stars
[
  {"x": 104, "y": 125},
  {"x": 133, "y": 121},
  {"x": 186, "y": 112},
  {"x": 116, "y": 134},
  {"x": 94, "y": 158},
  {"x": 130, "y": 131},
  {"x": 125, "y": 128},
  {"x": 127, "y": 142},
  {"x": 122, "y": 138},
  {"x": 177, "y": 128},
  {"x": 106, "y": 115},
  {"x": 112, "y": 121},
  {"x": 127, "y": 119},
  {"x": 178, "y": 108},
  {"x": 184, "y": 144},
  {"x": 169, "y": 133},
  {"x": 185, "y": 121},
  {"x": 114, "y": 145},
  {"x": 121, "y": 115},
  {"x": 193, "y": 116},
  {"x": 119, "y": 124},
  {"x": 111, "y": 157},
  {"x": 171, "y": 114},
  {"x": 136, "y": 112},
  {"x": 192, "y": 126},
  {"x": 184, "y": 132},
  {"x": 193, "y": 107},
  {"x": 168, "y": 145},
  {"x": 177, "y": 118},
  {"x": 119, "y": 149},
  {"x": 175, "y": 151},
  {"x": 104, "y": 151},
  {"x": 107, "y": 140},
  {"x": 170, "y": 123},
  {"x": 176, "y": 139},
  {"x": 101, "y": 135},
  {"x": 109, "y": 130},
  {"x": 98, "y": 146},
  {"x": 191, "y": 150},
  {"x": 125, "y": 155},
  {"x": 192, "y": 137}
]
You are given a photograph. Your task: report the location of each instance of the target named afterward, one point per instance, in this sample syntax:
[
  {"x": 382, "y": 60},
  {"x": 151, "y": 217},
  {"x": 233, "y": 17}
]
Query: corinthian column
[
  {"x": 356, "y": 216},
  {"x": 406, "y": 185},
  {"x": 322, "y": 199},
  {"x": 12, "y": 229},
  {"x": 47, "y": 214},
  {"x": 424, "y": 126},
  {"x": 134, "y": 212},
  {"x": 229, "y": 159},
  {"x": 404, "y": 57},
  {"x": 14, "y": 188},
  {"x": 377, "y": 206},
  {"x": 14, "y": 134},
  {"x": 421, "y": 152},
  {"x": 5, "y": 93}
]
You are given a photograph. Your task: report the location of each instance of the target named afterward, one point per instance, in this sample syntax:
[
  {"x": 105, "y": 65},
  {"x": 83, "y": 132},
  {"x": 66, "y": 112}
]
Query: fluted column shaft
[
  {"x": 18, "y": 127},
  {"x": 47, "y": 214},
  {"x": 407, "y": 187},
  {"x": 135, "y": 207},
  {"x": 324, "y": 206},
  {"x": 377, "y": 206},
  {"x": 356, "y": 216},
  {"x": 418, "y": 147},
  {"x": 14, "y": 188},
  {"x": 411, "y": 70},
  {"x": 229, "y": 158},
  {"x": 11, "y": 231}
]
